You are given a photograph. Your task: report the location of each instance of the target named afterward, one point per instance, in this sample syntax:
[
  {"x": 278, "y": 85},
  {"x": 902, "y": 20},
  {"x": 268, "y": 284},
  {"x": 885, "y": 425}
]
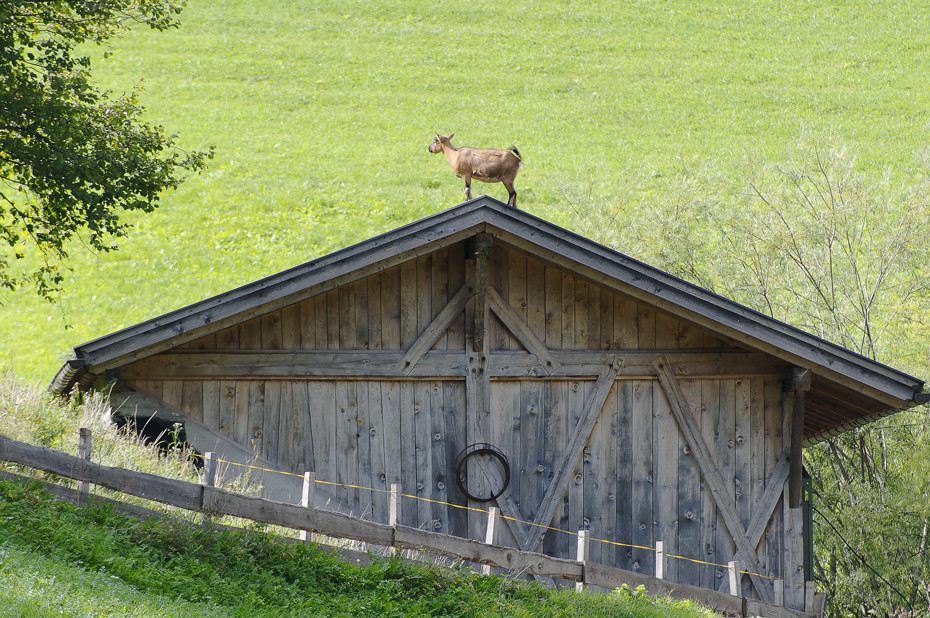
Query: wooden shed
[{"x": 615, "y": 397}]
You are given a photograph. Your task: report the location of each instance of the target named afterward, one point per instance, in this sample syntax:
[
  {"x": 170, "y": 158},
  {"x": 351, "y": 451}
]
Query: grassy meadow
[{"x": 321, "y": 114}]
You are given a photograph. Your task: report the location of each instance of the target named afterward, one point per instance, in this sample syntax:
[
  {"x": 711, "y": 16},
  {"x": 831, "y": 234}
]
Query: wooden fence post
[
  {"x": 209, "y": 480},
  {"x": 394, "y": 510},
  {"x": 735, "y": 576},
  {"x": 306, "y": 499},
  {"x": 661, "y": 560},
  {"x": 780, "y": 592},
  {"x": 85, "y": 441},
  {"x": 809, "y": 590},
  {"x": 490, "y": 535},
  {"x": 582, "y": 557}
]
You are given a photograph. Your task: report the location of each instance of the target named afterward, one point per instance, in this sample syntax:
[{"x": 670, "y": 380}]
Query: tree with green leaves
[{"x": 73, "y": 159}]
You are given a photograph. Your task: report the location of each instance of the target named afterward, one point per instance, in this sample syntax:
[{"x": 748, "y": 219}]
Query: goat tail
[{"x": 514, "y": 150}]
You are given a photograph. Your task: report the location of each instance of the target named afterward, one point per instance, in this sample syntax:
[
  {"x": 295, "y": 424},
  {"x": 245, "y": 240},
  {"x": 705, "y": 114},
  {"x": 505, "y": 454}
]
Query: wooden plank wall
[{"x": 636, "y": 482}]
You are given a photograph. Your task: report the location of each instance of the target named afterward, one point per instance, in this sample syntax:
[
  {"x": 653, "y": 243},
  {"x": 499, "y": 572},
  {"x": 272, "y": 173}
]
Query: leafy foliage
[
  {"x": 818, "y": 243},
  {"x": 72, "y": 157}
]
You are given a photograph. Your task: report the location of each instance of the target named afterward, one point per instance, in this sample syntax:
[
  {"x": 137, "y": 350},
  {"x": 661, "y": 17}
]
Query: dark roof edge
[
  {"x": 698, "y": 300},
  {"x": 528, "y": 228},
  {"x": 423, "y": 230},
  {"x": 70, "y": 373}
]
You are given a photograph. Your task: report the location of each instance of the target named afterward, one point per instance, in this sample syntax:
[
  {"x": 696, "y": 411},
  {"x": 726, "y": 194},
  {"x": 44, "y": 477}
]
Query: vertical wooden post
[
  {"x": 306, "y": 499},
  {"x": 84, "y": 448},
  {"x": 809, "y": 597},
  {"x": 208, "y": 480},
  {"x": 779, "y": 592},
  {"x": 483, "y": 246},
  {"x": 489, "y": 537},
  {"x": 477, "y": 382},
  {"x": 797, "y": 382},
  {"x": 394, "y": 510},
  {"x": 661, "y": 560},
  {"x": 735, "y": 576},
  {"x": 582, "y": 556}
]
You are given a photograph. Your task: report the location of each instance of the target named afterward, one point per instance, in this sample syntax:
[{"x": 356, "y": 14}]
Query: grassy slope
[
  {"x": 56, "y": 559},
  {"x": 321, "y": 115}
]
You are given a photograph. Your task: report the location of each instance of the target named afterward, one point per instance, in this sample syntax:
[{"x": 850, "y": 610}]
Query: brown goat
[{"x": 481, "y": 164}]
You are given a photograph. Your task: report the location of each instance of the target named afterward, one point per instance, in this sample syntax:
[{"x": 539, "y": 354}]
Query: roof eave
[{"x": 640, "y": 280}]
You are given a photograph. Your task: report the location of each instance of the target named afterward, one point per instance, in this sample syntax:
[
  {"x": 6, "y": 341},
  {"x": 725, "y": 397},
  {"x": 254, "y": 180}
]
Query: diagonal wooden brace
[
  {"x": 563, "y": 469},
  {"x": 436, "y": 328},
  {"x": 711, "y": 473},
  {"x": 521, "y": 331}
]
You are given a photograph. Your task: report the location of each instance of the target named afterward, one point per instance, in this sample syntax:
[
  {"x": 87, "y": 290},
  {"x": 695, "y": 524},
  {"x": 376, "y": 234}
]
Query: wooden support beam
[
  {"x": 483, "y": 246},
  {"x": 773, "y": 492},
  {"x": 436, "y": 328},
  {"x": 304, "y": 364},
  {"x": 522, "y": 332},
  {"x": 797, "y": 383},
  {"x": 566, "y": 463},
  {"x": 712, "y": 476},
  {"x": 478, "y": 384}
]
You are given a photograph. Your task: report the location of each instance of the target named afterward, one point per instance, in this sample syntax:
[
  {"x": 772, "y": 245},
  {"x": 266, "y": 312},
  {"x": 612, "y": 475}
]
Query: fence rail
[{"x": 213, "y": 501}]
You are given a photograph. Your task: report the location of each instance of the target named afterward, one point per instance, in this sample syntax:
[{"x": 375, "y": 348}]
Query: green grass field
[{"x": 321, "y": 114}]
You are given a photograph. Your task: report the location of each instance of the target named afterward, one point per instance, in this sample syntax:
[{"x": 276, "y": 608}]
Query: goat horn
[{"x": 451, "y": 135}]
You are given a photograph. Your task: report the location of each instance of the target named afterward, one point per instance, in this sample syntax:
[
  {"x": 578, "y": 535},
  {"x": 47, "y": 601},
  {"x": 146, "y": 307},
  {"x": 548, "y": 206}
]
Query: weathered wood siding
[{"x": 636, "y": 481}]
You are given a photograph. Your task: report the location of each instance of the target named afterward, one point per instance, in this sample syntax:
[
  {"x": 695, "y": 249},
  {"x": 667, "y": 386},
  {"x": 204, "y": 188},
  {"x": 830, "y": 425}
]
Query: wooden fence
[{"x": 213, "y": 501}]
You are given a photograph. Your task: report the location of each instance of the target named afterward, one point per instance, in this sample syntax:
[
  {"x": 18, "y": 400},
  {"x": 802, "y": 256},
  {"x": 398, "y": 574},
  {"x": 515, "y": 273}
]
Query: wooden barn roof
[{"x": 847, "y": 389}]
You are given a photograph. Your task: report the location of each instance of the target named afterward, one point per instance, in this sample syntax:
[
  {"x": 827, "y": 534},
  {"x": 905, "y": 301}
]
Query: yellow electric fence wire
[{"x": 457, "y": 506}]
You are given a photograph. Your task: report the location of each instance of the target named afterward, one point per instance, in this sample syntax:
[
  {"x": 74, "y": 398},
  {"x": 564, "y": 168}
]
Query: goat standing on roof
[{"x": 482, "y": 164}]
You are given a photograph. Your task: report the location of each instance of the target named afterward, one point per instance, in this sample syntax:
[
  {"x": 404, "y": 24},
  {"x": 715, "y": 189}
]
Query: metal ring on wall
[{"x": 480, "y": 448}]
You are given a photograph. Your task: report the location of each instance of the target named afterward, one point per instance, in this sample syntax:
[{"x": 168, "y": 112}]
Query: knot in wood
[
  {"x": 372, "y": 431},
  {"x": 440, "y": 485},
  {"x": 437, "y": 437}
]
